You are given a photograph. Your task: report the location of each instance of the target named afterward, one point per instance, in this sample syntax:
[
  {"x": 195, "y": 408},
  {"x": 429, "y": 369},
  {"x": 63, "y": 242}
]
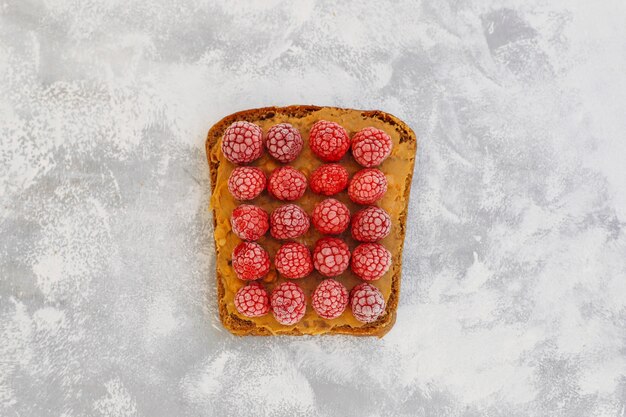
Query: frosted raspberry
[
  {"x": 249, "y": 222},
  {"x": 370, "y": 261},
  {"x": 371, "y": 146},
  {"x": 250, "y": 261},
  {"x": 331, "y": 256},
  {"x": 329, "y": 141},
  {"x": 242, "y": 142},
  {"x": 293, "y": 260},
  {"x": 367, "y": 303},
  {"x": 329, "y": 299},
  {"x": 246, "y": 183},
  {"x": 283, "y": 142},
  {"x": 252, "y": 300},
  {"x": 286, "y": 183},
  {"x": 371, "y": 224},
  {"x": 328, "y": 179},
  {"x": 288, "y": 222},
  {"x": 331, "y": 217},
  {"x": 288, "y": 303},
  {"x": 367, "y": 186}
]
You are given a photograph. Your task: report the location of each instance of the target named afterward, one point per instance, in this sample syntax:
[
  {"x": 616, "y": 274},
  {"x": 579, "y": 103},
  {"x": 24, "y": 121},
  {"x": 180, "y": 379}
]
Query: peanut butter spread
[{"x": 397, "y": 168}]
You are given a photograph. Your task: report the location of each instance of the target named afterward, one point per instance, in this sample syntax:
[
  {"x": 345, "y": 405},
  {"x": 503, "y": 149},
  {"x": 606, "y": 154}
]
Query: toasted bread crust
[{"x": 243, "y": 327}]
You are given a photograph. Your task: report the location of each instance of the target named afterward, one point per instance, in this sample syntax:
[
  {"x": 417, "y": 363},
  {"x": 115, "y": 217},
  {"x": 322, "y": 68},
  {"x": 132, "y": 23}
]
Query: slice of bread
[{"x": 399, "y": 170}]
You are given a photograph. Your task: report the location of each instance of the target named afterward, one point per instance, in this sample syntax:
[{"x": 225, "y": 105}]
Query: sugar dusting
[{"x": 512, "y": 296}]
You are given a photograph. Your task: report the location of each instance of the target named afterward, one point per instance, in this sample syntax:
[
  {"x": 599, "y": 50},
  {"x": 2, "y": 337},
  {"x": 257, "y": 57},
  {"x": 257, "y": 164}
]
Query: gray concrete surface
[{"x": 514, "y": 291}]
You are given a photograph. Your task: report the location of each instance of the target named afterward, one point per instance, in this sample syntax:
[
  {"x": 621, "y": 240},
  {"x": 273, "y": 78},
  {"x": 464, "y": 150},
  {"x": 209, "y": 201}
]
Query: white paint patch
[
  {"x": 294, "y": 388},
  {"x": 49, "y": 273},
  {"x": 49, "y": 319},
  {"x": 117, "y": 402},
  {"x": 439, "y": 350},
  {"x": 242, "y": 384},
  {"x": 331, "y": 362},
  {"x": 203, "y": 385},
  {"x": 209, "y": 383},
  {"x": 476, "y": 275},
  {"x": 161, "y": 319}
]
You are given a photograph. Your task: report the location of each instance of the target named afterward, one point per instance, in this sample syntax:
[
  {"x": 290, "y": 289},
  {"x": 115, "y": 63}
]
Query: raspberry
[
  {"x": 328, "y": 179},
  {"x": 329, "y": 299},
  {"x": 288, "y": 303},
  {"x": 288, "y": 222},
  {"x": 293, "y": 260},
  {"x": 331, "y": 217},
  {"x": 371, "y": 146},
  {"x": 249, "y": 222},
  {"x": 283, "y": 142},
  {"x": 250, "y": 261},
  {"x": 329, "y": 141},
  {"x": 252, "y": 300},
  {"x": 331, "y": 256},
  {"x": 246, "y": 183},
  {"x": 367, "y": 186},
  {"x": 242, "y": 142},
  {"x": 286, "y": 183},
  {"x": 367, "y": 303},
  {"x": 371, "y": 224},
  {"x": 370, "y": 261}
]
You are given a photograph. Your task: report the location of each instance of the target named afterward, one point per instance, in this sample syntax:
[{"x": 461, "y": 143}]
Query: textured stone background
[{"x": 514, "y": 288}]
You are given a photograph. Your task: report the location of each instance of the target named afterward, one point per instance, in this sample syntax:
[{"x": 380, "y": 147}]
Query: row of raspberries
[
  {"x": 329, "y": 300},
  {"x": 288, "y": 184},
  {"x": 243, "y": 143},
  {"x": 331, "y": 257},
  {"x": 330, "y": 217}
]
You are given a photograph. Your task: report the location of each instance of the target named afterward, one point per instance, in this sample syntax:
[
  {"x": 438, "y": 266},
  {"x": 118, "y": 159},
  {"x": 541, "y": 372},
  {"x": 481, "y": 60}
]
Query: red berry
[
  {"x": 331, "y": 217},
  {"x": 331, "y": 256},
  {"x": 250, "y": 261},
  {"x": 328, "y": 179},
  {"x": 288, "y": 222},
  {"x": 329, "y": 141},
  {"x": 283, "y": 142},
  {"x": 367, "y": 186},
  {"x": 371, "y": 146},
  {"x": 252, "y": 300},
  {"x": 286, "y": 183},
  {"x": 370, "y": 261},
  {"x": 249, "y": 222},
  {"x": 371, "y": 224},
  {"x": 329, "y": 299},
  {"x": 246, "y": 183},
  {"x": 293, "y": 260},
  {"x": 367, "y": 303},
  {"x": 242, "y": 142},
  {"x": 288, "y": 303}
]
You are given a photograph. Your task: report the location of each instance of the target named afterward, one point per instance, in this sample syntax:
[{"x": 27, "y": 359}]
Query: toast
[{"x": 398, "y": 168}]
